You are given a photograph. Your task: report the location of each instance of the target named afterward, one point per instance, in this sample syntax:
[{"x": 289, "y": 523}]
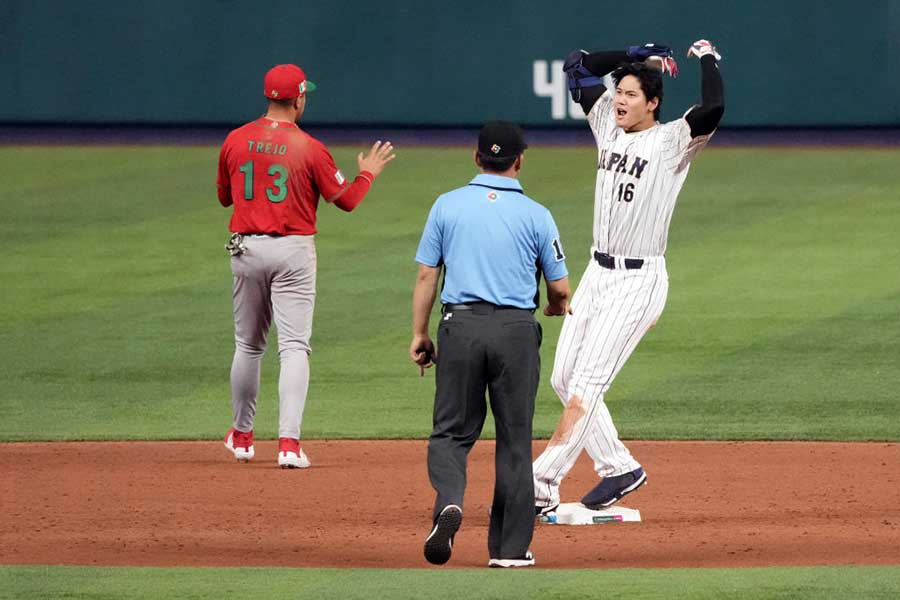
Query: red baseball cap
[{"x": 284, "y": 82}]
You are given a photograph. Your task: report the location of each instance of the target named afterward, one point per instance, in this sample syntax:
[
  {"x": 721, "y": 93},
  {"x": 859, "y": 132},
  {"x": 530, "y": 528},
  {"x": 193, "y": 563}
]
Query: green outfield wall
[{"x": 397, "y": 62}]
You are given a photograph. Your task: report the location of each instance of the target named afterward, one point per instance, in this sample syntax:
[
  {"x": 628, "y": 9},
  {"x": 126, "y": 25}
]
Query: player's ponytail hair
[{"x": 650, "y": 79}]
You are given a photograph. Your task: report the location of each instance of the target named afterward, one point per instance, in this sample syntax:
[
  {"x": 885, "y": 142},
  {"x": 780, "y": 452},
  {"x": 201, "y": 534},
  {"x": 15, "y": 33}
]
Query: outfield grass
[
  {"x": 783, "y": 318},
  {"x": 89, "y": 583}
]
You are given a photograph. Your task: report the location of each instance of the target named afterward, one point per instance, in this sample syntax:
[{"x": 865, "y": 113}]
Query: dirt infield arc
[{"x": 367, "y": 504}]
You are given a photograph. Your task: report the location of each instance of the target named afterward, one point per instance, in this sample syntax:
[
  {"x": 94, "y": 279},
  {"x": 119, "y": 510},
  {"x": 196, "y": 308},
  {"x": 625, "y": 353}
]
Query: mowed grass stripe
[
  {"x": 781, "y": 321},
  {"x": 96, "y": 583}
]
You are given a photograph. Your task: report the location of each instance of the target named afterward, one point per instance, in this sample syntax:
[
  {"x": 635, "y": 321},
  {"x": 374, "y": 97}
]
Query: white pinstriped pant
[{"x": 613, "y": 309}]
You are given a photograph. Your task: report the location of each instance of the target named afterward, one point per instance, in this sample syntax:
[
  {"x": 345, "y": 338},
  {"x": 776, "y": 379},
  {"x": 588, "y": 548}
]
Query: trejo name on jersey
[{"x": 266, "y": 147}]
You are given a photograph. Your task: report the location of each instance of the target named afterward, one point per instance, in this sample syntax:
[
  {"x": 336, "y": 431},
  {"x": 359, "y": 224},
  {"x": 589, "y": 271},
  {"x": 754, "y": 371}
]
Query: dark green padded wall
[{"x": 441, "y": 63}]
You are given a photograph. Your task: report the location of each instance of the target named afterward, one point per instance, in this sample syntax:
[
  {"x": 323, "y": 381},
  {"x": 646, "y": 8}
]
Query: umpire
[{"x": 493, "y": 243}]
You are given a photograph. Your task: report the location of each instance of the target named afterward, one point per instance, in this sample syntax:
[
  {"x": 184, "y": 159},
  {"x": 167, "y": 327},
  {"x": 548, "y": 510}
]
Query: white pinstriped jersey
[{"x": 639, "y": 176}]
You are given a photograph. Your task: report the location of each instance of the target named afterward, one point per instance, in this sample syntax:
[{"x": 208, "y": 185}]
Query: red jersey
[{"x": 273, "y": 173}]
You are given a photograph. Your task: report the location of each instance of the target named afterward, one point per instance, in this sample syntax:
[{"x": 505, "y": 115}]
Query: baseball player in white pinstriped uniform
[{"x": 642, "y": 166}]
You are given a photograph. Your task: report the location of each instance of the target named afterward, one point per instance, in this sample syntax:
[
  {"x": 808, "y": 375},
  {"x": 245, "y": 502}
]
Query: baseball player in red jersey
[
  {"x": 641, "y": 168},
  {"x": 273, "y": 173}
]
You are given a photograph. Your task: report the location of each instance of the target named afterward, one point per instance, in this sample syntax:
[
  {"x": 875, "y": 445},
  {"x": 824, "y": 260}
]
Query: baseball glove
[{"x": 235, "y": 245}]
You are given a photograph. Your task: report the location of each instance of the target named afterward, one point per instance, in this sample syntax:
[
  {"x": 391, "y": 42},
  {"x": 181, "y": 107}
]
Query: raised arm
[
  {"x": 585, "y": 70},
  {"x": 704, "y": 118},
  {"x": 370, "y": 167}
]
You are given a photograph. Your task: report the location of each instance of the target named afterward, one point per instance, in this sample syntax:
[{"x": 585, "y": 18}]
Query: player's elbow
[
  {"x": 705, "y": 119},
  {"x": 348, "y": 198},
  {"x": 224, "y": 197},
  {"x": 345, "y": 206},
  {"x": 428, "y": 275},
  {"x": 559, "y": 383}
]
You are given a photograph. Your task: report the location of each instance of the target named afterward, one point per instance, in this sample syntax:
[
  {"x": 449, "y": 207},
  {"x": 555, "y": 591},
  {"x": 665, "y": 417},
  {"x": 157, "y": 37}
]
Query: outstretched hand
[{"x": 379, "y": 156}]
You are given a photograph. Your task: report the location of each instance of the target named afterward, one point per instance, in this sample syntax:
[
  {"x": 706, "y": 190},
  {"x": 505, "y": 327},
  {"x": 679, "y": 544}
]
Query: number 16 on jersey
[{"x": 626, "y": 192}]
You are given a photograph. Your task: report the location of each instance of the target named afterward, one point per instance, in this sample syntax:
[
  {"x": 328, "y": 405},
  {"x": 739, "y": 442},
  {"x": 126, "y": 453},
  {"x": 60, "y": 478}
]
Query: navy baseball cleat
[
  {"x": 439, "y": 543},
  {"x": 612, "y": 489}
]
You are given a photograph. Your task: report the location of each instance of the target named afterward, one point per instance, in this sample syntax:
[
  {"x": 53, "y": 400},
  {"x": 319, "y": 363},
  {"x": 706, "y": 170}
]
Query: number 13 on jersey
[{"x": 279, "y": 174}]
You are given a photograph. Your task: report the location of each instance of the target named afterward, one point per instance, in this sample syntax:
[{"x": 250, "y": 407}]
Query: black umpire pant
[{"x": 480, "y": 348}]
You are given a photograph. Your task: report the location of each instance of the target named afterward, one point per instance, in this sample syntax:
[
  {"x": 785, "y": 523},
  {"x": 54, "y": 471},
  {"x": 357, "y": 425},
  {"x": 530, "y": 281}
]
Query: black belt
[
  {"x": 481, "y": 306},
  {"x": 266, "y": 234},
  {"x": 609, "y": 262}
]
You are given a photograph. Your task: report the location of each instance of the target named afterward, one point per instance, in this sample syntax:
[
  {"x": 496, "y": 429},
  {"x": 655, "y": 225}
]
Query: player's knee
[
  {"x": 559, "y": 383},
  {"x": 290, "y": 348},
  {"x": 252, "y": 348}
]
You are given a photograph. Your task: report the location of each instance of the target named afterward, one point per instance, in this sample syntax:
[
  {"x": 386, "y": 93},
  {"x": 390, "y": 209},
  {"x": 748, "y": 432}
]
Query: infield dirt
[{"x": 368, "y": 504}]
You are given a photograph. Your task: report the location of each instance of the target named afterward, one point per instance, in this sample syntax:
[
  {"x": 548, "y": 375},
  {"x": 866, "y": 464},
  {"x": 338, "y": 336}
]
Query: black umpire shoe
[
  {"x": 612, "y": 489},
  {"x": 506, "y": 563},
  {"x": 439, "y": 543}
]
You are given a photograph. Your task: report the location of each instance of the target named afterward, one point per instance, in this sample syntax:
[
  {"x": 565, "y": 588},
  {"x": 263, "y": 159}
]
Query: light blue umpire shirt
[{"x": 494, "y": 242}]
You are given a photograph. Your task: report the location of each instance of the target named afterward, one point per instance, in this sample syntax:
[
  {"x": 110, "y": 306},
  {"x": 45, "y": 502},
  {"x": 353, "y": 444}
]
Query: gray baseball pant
[{"x": 274, "y": 278}]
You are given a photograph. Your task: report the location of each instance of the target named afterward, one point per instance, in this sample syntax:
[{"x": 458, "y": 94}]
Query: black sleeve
[
  {"x": 600, "y": 64},
  {"x": 705, "y": 118}
]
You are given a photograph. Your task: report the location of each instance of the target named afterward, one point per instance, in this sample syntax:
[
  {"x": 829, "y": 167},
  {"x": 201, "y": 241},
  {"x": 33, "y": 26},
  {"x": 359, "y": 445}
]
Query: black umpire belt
[
  {"x": 609, "y": 262},
  {"x": 481, "y": 306}
]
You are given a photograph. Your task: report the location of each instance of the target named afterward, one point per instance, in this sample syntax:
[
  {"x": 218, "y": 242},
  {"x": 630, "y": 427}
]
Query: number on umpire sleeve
[{"x": 557, "y": 248}]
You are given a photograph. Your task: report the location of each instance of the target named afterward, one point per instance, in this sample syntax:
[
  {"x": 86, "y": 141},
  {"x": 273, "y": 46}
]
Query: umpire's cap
[{"x": 501, "y": 139}]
